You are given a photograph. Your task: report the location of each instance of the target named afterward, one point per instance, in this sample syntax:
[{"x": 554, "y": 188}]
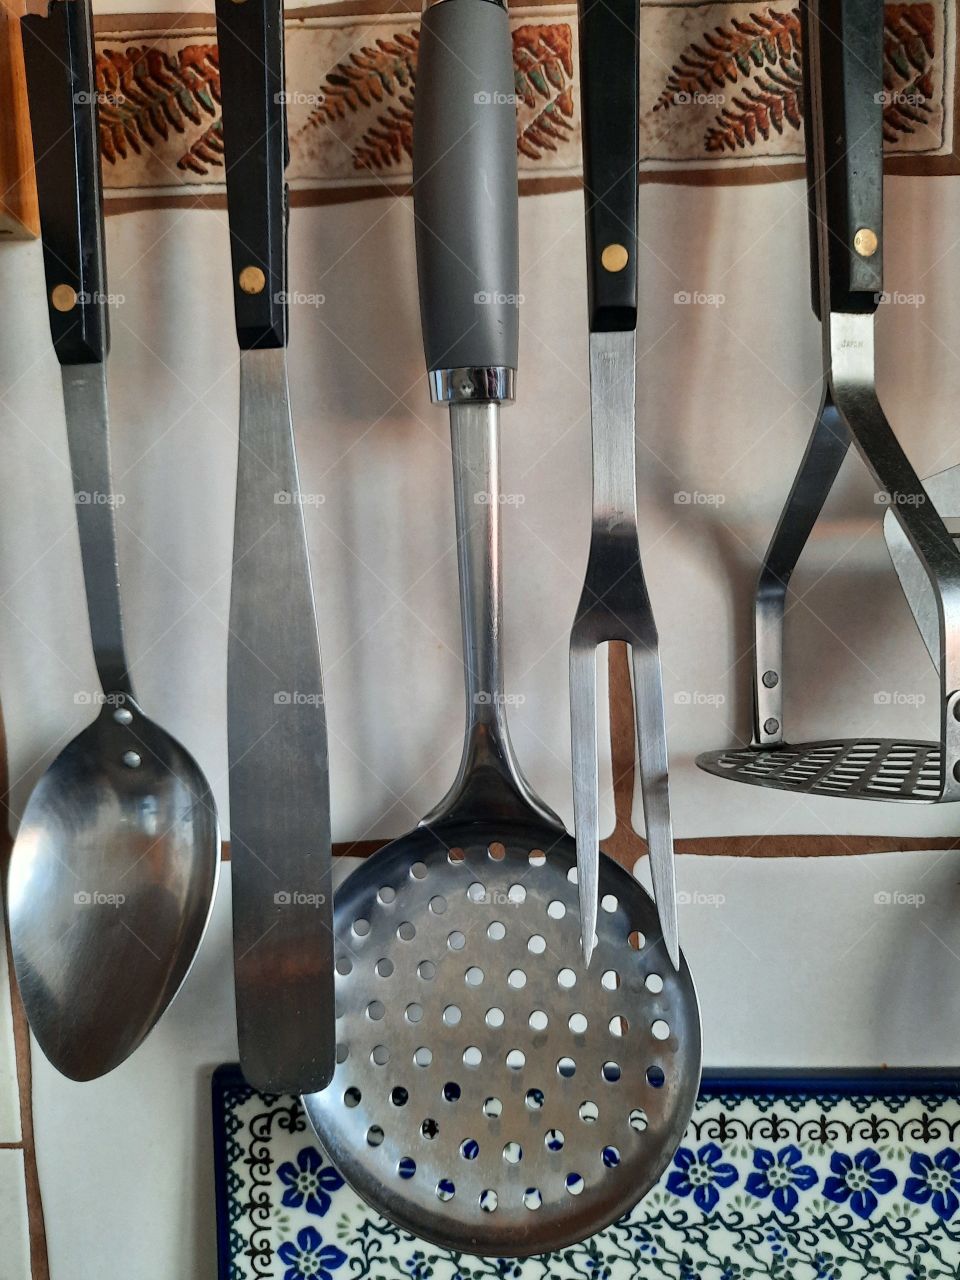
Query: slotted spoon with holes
[
  {"x": 843, "y": 51},
  {"x": 491, "y": 1094}
]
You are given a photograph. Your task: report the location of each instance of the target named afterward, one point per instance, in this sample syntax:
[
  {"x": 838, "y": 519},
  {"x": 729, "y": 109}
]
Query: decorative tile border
[
  {"x": 734, "y": 90},
  {"x": 817, "y": 1179},
  {"x": 721, "y": 97},
  {"x": 349, "y": 102}
]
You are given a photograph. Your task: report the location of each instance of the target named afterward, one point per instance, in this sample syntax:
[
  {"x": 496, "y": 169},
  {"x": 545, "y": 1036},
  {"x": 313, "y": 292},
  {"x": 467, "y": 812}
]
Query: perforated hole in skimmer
[
  {"x": 856, "y": 768},
  {"x": 527, "y": 1101}
]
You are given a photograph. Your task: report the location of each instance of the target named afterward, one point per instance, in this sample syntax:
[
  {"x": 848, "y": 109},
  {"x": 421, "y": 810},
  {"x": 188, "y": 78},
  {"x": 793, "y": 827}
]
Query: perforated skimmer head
[{"x": 490, "y": 1094}]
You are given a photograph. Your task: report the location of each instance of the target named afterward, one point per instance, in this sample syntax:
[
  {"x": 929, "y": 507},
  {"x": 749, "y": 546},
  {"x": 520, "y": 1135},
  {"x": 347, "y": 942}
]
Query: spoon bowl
[
  {"x": 114, "y": 867},
  {"x": 111, "y": 881}
]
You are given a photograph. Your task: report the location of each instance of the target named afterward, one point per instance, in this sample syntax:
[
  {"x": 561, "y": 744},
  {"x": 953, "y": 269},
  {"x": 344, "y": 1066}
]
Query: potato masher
[
  {"x": 843, "y": 55},
  {"x": 492, "y": 1094}
]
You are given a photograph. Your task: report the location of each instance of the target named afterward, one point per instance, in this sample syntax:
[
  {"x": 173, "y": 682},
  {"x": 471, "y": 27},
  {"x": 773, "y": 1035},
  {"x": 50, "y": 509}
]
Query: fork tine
[
  {"x": 652, "y": 745},
  {"x": 583, "y": 725}
]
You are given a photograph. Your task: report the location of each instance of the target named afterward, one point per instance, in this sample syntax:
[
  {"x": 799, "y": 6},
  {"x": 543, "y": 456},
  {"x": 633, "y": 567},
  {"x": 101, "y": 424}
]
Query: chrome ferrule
[{"x": 491, "y": 384}]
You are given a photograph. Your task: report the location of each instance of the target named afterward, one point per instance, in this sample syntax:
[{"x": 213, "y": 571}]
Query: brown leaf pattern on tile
[
  {"x": 543, "y": 73},
  {"x": 776, "y": 99},
  {"x": 726, "y": 54},
  {"x": 145, "y": 93},
  {"x": 370, "y": 77},
  {"x": 764, "y": 52},
  {"x": 206, "y": 153},
  {"x": 552, "y": 125},
  {"x": 388, "y": 141},
  {"x": 375, "y": 73},
  {"x": 908, "y": 49}
]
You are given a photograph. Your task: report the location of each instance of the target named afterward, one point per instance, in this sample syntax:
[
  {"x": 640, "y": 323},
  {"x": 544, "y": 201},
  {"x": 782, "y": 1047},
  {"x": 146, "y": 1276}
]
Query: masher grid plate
[
  {"x": 854, "y": 768},
  {"x": 499, "y": 1097}
]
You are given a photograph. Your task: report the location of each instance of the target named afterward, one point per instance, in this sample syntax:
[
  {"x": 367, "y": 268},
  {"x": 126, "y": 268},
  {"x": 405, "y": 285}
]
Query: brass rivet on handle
[
  {"x": 252, "y": 280},
  {"x": 614, "y": 257},
  {"x": 63, "y": 297},
  {"x": 865, "y": 242}
]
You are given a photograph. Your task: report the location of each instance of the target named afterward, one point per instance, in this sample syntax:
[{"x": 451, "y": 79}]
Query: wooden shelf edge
[
  {"x": 627, "y": 849},
  {"x": 19, "y": 218}
]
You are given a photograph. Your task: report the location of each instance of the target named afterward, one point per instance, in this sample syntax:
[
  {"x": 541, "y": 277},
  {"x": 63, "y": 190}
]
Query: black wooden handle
[
  {"x": 58, "y": 56},
  {"x": 845, "y": 60},
  {"x": 609, "y": 86},
  {"x": 250, "y": 36},
  {"x": 809, "y": 165}
]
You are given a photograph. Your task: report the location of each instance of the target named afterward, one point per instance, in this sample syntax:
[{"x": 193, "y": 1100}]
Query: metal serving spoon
[{"x": 115, "y": 864}]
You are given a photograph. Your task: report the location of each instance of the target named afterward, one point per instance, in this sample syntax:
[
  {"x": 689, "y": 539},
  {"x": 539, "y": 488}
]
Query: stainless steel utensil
[
  {"x": 943, "y": 490},
  {"x": 115, "y": 863},
  {"x": 843, "y": 43},
  {"x": 279, "y": 789},
  {"x": 492, "y": 1094},
  {"x": 615, "y": 604}
]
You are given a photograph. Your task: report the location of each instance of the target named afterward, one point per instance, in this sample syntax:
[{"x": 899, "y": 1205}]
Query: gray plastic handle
[{"x": 465, "y": 187}]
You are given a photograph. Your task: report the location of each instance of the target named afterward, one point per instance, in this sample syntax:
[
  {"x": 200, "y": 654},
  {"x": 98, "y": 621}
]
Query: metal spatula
[{"x": 279, "y": 791}]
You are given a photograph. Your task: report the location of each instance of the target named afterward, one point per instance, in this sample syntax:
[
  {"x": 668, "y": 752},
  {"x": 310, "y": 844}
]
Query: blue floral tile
[{"x": 821, "y": 1179}]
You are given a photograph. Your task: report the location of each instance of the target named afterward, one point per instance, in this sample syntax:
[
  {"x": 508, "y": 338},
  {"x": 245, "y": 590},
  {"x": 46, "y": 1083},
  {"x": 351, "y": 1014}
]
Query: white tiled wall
[
  {"x": 14, "y": 1232},
  {"x": 10, "y": 1130}
]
